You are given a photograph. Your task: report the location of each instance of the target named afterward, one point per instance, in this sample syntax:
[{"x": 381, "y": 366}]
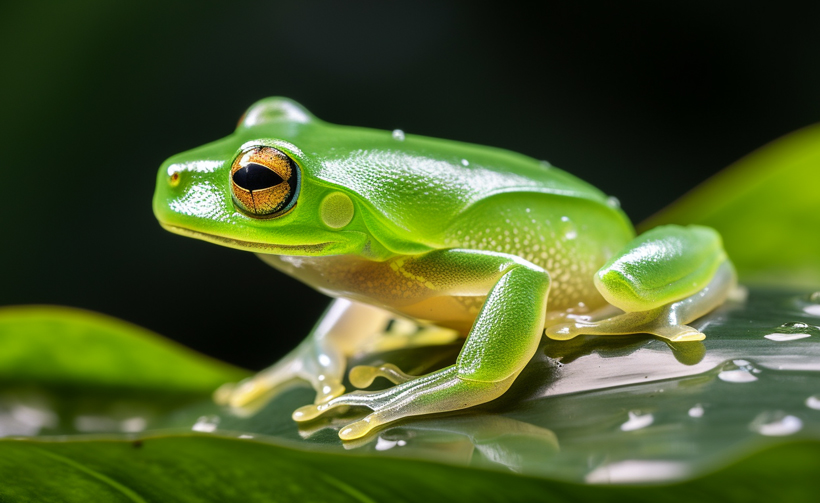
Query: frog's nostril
[{"x": 255, "y": 176}]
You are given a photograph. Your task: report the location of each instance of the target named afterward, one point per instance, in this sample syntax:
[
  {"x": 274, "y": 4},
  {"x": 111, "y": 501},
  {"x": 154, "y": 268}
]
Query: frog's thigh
[
  {"x": 503, "y": 339},
  {"x": 664, "y": 279},
  {"x": 320, "y": 359}
]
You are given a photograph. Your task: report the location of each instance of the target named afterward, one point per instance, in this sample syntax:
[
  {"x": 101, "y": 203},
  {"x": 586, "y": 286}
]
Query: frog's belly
[
  {"x": 459, "y": 312},
  {"x": 380, "y": 284}
]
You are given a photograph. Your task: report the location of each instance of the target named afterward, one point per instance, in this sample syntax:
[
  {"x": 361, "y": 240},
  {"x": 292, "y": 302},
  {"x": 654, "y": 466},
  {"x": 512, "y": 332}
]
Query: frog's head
[{"x": 255, "y": 190}]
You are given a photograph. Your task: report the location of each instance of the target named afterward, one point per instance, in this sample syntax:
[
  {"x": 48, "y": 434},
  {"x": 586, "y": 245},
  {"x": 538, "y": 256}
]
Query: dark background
[{"x": 642, "y": 99}]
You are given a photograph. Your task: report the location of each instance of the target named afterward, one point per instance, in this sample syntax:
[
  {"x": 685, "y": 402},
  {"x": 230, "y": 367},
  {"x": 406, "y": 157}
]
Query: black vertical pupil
[{"x": 255, "y": 176}]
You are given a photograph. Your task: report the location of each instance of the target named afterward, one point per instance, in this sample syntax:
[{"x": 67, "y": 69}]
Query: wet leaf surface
[{"x": 593, "y": 410}]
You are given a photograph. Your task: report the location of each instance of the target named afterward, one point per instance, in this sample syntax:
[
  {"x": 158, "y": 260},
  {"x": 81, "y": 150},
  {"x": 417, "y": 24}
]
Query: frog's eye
[{"x": 264, "y": 182}]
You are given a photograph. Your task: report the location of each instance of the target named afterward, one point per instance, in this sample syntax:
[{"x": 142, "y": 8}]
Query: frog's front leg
[
  {"x": 320, "y": 359},
  {"x": 662, "y": 280},
  {"x": 502, "y": 340}
]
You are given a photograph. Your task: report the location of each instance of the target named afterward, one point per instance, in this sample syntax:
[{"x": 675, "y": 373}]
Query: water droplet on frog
[
  {"x": 570, "y": 232},
  {"x": 398, "y": 134},
  {"x": 206, "y": 423},
  {"x": 613, "y": 202},
  {"x": 738, "y": 371},
  {"x": 813, "y": 402},
  {"x": 465, "y": 162},
  {"x": 696, "y": 411},
  {"x": 637, "y": 421},
  {"x": 776, "y": 424}
]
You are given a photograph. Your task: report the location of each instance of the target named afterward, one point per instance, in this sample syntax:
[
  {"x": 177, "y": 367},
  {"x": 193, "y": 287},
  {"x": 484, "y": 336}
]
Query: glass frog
[{"x": 493, "y": 244}]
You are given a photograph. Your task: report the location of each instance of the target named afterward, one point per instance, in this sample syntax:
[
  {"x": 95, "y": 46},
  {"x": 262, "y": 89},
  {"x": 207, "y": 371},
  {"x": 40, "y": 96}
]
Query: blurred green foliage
[{"x": 767, "y": 208}]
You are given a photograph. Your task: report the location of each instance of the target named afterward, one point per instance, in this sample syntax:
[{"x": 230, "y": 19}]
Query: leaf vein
[
  {"x": 130, "y": 494},
  {"x": 346, "y": 488}
]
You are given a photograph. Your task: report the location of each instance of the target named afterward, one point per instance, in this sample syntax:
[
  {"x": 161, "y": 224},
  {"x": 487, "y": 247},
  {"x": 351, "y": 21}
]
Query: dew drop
[
  {"x": 813, "y": 402},
  {"x": 465, "y": 162},
  {"x": 813, "y": 309},
  {"x": 799, "y": 325},
  {"x": 546, "y": 164},
  {"x": 613, "y": 202},
  {"x": 696, "y": 411},
  {"x": 398, "y": 134},
  {"x": 791, "y": 331},
  {"x": 383, "y": 445},
  {"x": 133, "y": 424},
  {"x": 778, "y": 337},
  {"x": 738, "y": 371},
  {"x": 776, "y": 424},
  {"x": 637, "y": 471},
  {"x": 637, "y": 421},
  {"x": 814, "y": 297},
  {"x": 206, "y": 423}
]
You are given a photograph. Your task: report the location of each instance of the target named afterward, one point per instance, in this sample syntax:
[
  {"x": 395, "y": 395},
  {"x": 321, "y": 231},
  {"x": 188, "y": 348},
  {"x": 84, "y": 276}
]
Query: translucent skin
[{"x": 491, "y": 243}]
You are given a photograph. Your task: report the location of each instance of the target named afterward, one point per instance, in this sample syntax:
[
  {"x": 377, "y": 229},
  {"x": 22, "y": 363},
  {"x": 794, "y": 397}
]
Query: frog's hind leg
[{"x": 652, "y": 283}]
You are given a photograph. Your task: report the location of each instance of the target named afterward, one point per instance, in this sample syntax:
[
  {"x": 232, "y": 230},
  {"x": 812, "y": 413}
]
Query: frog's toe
[
  {"x": 239, "y": 394},
  {"x": 327, "y": 390},
  {"x": 442, "y": 391},
  {"x": 678, "y": 333},
  {"x": 310, "y": 412},
  {"x": 363, "y": 376},
  {"x": 364, "y": 426},
  {"x": 563, "y": 331}
]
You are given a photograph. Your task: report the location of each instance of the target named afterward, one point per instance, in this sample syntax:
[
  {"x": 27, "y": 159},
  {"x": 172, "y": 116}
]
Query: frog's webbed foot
[
  {"x": 645, "y": 322},
  {"x": 320, "y": 359},
  {"x": 667, "y": 322},
  {"x": 441, "y": 391},
  {"x": 305, "y": 363},
  {"x": 503, "y": 338}
]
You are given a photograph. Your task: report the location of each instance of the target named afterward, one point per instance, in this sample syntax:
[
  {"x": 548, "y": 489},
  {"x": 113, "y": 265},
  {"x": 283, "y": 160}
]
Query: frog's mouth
[{"x": 240, "y": 244}]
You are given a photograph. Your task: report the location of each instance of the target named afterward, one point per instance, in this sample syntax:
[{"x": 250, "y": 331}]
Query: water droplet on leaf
[{"x": 776, "y": 424}]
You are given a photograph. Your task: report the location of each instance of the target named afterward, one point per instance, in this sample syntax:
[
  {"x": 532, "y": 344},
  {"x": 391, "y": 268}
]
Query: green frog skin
[{"x": 495, "y": 245}]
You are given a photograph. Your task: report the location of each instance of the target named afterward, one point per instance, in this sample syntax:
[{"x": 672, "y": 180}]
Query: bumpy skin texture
[{"x": 490, "y": 243}]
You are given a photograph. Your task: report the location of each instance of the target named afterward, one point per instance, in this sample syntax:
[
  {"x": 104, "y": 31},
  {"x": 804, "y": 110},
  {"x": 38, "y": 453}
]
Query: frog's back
[{"x": 424, "y": 184}]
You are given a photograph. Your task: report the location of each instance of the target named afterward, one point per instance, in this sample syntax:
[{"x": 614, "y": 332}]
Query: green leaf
[
  {"x": 203, "y": 469},
  {"x": 59, "y": 346},
  {"x": 766, "y": 207},
  {"x": 735, "y": 417}
]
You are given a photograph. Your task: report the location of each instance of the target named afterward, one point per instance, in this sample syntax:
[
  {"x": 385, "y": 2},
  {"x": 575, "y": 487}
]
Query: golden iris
[{"x": 264, "y": 181}]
